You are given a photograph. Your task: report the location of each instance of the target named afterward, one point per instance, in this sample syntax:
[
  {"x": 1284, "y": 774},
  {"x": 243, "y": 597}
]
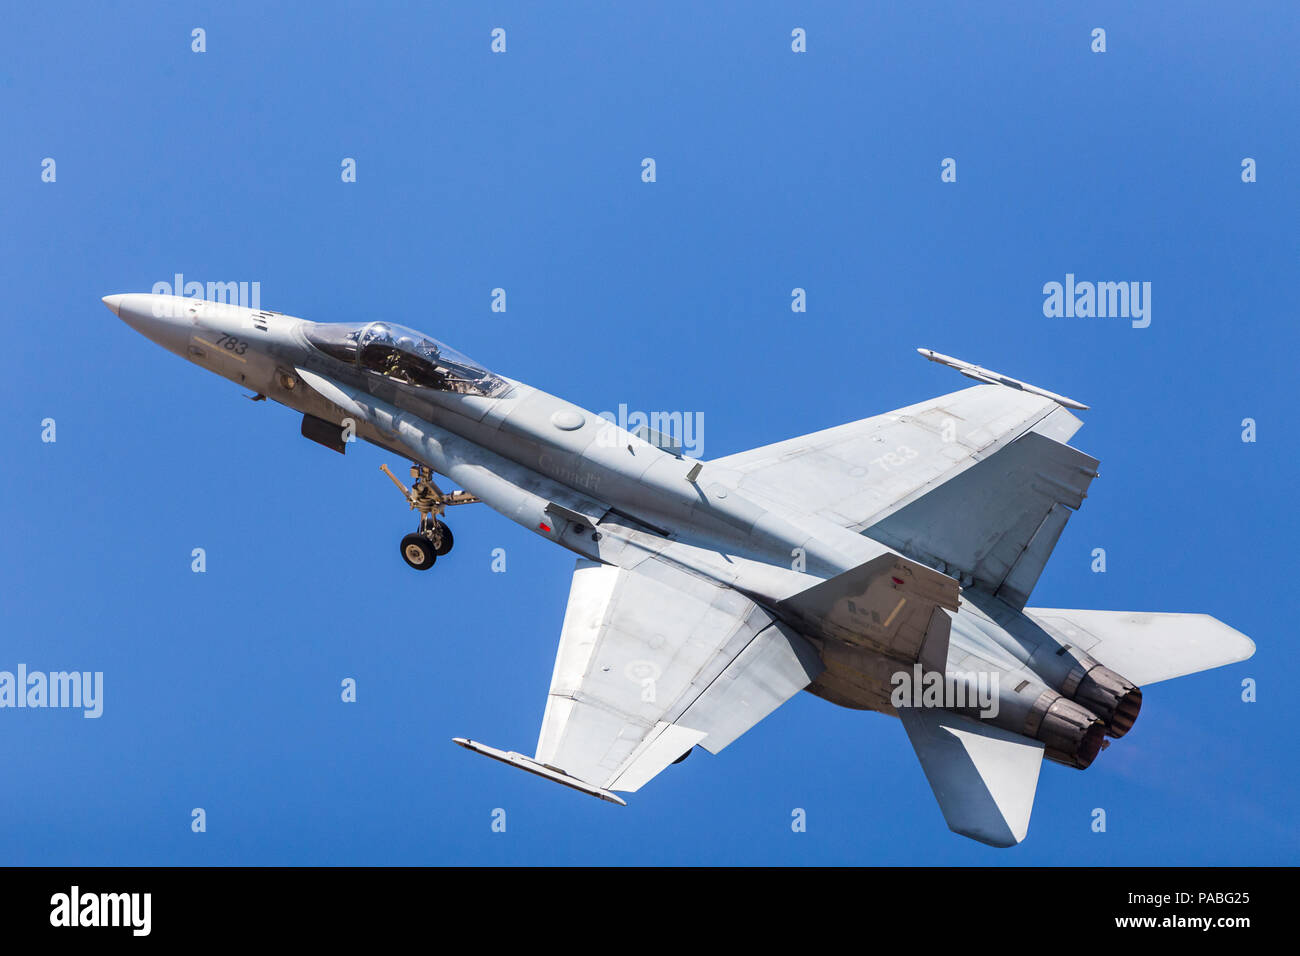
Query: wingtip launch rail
[
  {"x": 981, "y": 374},
  {"x": 532, "y": 766}
]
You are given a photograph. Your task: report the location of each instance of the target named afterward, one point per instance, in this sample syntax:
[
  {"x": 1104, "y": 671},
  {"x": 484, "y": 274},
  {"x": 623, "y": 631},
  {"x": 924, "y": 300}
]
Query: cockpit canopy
[{"x": 404, "y": 355}]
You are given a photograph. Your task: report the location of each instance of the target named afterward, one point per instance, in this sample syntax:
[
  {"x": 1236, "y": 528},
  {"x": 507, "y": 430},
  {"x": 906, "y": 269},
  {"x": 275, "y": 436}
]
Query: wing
[
  {"x": 654, "y": 661},
  {"x": 977, "y": 484},
  {"x": 858, "y": 474},
  {"x": 995, "y": 524}
]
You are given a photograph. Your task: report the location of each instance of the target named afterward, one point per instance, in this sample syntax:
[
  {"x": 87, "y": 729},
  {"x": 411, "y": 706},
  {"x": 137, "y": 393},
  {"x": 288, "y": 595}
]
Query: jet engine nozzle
[
  {"x": 1112, "y": 698},
  {"x": 1073, "y": 734}
]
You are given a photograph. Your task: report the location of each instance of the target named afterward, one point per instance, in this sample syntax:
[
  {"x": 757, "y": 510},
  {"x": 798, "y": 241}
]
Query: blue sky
[{"x": 522, "y": 170}]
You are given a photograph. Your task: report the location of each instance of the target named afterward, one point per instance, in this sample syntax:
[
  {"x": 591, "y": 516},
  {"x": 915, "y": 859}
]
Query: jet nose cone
[
  {"x": 114, "y": 303},
  {"x": 164, "y": 319}
]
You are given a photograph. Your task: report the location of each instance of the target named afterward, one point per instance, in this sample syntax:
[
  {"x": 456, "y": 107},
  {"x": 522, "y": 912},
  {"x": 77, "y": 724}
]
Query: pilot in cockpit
[{"x": 393, "y": 367}]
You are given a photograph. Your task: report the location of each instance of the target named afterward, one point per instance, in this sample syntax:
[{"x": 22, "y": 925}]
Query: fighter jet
[{"x": 885, "y": 564}]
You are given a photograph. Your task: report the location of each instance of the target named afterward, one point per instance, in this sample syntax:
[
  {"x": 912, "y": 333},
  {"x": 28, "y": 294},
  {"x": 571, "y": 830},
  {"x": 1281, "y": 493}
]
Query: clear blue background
[{"x": 522, "y": 170}]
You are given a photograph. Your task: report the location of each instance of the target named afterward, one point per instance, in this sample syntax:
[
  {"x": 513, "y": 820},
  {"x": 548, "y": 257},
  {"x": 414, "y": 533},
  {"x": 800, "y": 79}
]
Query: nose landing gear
[{"x": 433, "y": 538}]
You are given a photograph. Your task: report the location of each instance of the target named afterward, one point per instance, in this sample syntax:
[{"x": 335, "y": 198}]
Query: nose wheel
[
  {"x": 418, "y": 552},
  {"x": 432, "y": 539}
]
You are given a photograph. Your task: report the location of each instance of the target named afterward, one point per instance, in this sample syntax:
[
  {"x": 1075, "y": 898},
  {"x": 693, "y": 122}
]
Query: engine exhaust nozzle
[
  {"x": 1111, "y": 697},
  {"x": 1073, "y": 735}
]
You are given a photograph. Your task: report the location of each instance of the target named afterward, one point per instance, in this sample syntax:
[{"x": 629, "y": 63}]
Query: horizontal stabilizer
[
  {"x": 1146, "y": 647},
  {"x": 983, "y": 777}
]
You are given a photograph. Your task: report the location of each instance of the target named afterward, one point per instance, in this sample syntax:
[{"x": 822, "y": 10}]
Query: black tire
[
  {"x": 447, "y": 540},
  {"x": 417, "y": 551}
]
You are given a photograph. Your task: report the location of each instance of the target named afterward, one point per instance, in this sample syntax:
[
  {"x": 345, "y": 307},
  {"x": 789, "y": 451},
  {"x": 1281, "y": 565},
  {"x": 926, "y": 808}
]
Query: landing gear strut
[{"x": 433, "y": 538}]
